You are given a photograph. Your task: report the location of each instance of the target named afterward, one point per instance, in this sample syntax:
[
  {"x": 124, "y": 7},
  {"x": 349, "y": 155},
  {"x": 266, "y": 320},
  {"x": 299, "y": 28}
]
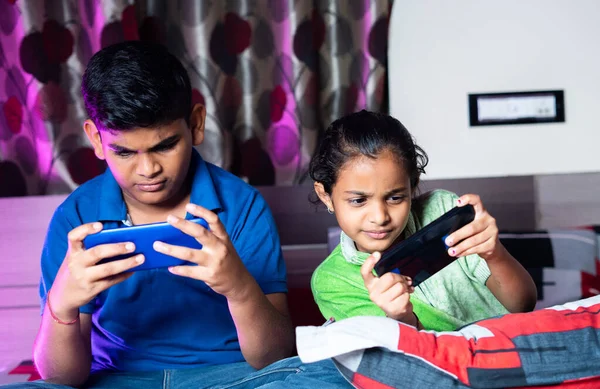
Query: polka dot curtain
[{"x": 272, "y": 74}]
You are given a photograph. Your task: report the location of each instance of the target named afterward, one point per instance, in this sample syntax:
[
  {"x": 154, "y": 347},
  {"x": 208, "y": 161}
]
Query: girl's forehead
[
  {"x": 386, "y": 170},
  {"x": 386, "y": 159}
]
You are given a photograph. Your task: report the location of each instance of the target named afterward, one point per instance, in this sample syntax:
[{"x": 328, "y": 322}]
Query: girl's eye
[
  {"x": 358, "y": 201},
  {"x": 396, "y": 199}
]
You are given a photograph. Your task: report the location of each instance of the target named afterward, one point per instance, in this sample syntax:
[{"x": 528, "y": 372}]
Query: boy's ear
[
  {"x": 93, "y": 134},
  {"x": 323, "y": 195},
  {"x": 197, "y": 121}
]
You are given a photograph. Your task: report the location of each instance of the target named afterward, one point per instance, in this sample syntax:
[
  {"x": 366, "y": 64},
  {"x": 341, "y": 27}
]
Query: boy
[{"x": 187, "y": 326}]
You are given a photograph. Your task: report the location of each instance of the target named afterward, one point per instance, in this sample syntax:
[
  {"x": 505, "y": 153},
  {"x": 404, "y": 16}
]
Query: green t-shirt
[{"x": 451, "y": 298}]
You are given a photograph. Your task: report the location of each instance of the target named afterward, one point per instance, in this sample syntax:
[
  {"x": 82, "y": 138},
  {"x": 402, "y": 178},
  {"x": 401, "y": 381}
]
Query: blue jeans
[{"x": 288, "y": 373}]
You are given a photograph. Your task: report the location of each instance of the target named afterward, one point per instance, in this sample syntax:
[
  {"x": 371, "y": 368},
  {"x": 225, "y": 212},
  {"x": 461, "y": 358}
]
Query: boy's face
[
  {"x": 371, "y": 200},
  {"x": 149, "y": 164}
]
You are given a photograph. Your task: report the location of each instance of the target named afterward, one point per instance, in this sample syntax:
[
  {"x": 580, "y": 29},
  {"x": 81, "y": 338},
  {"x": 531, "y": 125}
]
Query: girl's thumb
[{"x": 367, "y": 267}]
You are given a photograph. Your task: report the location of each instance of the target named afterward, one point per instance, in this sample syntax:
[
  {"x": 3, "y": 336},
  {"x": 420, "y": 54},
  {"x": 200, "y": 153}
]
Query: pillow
[
  {"x": 562, "y": 262},
  {"x": 573, "y": 249},
  {"x": 557, "y": 346},
  {"x": 556, "y": 286},
  {"x": 596, "y": 229}
]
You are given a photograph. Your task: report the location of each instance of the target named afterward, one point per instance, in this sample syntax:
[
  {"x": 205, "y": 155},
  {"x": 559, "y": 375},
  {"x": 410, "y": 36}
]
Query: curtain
[{"x": 272, "y": 74}]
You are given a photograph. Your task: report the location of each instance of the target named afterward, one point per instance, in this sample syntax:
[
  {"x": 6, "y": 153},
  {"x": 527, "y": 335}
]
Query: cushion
[
  {"x": 556, "y": 286},
  {"x": 573, "y": 249},
  {"x": 596, "y": 229},
  {"x": 562, "y": 262},
  {"x": 553, "y": 346}
]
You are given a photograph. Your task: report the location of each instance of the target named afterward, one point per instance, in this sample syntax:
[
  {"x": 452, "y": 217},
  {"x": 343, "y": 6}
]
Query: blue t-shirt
[{"x": 157, "y": 320}]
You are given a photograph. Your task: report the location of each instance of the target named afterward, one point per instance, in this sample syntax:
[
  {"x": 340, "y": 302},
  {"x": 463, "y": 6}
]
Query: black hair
[
  {"x": 365, "y": 133},
  {"x": 136, "y": 84}
]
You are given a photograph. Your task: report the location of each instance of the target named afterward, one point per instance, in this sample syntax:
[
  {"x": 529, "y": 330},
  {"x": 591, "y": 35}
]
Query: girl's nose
[{"x": 380, "y": 214}]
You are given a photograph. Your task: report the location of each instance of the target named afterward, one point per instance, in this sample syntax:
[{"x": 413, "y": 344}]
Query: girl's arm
[{"x": 509, "y": 281}]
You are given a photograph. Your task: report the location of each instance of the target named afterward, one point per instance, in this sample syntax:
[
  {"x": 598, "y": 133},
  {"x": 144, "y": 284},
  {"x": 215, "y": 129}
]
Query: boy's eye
[
  {"x": 166, "y": 147},
  {"x": 124, "y": 153}
]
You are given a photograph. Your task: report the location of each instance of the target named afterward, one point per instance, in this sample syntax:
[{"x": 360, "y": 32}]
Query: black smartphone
[{"x": 425, "y": 253}]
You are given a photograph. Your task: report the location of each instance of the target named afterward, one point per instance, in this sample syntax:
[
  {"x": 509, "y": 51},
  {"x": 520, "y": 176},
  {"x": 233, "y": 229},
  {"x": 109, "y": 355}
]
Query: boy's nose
[{"x": 148, "y": 167}]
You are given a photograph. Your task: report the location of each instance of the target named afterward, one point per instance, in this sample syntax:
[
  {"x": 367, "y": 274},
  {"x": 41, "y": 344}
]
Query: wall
[
  {"x": 440, "y": 51},
  {"x": 567, "y": 200}
]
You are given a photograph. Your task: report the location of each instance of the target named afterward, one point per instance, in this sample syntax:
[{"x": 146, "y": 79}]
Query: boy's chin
[{"x": 153, "y": 198}]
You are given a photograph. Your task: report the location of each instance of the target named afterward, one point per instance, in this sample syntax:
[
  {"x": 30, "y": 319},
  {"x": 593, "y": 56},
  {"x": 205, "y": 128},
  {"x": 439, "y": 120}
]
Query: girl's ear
[{"x": 323, "y": 196}]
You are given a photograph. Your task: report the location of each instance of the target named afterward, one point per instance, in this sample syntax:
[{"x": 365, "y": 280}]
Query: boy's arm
[
  {"x": 261, "y": 314},
  {"x": 62, "y": 352},
  {"x": 71, "y": 279},
  {"x": 255, "y": 287},
  {"x": 264, "y": 327}
]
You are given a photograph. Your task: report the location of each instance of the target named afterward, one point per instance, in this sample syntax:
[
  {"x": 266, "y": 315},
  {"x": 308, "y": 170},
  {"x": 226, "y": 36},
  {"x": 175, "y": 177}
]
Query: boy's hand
[
  {"x": 80, "y": 279},
  {"x": 219, "y": 264},
  {"x": 478, "y": 237},
  {"x": 391, "y": 291}
]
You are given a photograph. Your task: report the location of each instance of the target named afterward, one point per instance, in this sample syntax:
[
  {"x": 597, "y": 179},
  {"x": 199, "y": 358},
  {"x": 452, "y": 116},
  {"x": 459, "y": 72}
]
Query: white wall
[{"x": 440, "y": 51}]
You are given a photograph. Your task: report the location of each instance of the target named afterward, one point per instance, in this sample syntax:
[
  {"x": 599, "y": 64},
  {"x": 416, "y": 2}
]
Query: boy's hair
[
  {"x": 135, "y": 84},
  {"x": 367, "y": 134}
]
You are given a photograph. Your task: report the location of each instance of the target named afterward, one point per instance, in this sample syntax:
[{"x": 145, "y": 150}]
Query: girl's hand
[
  {"x": 478, "y": 237},
  {"x": 391, "y": 291},
  {"x": 509, "y": 281}
]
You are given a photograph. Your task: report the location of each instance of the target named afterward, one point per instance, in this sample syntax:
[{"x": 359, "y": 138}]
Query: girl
[{"x": 366, "y": 170}]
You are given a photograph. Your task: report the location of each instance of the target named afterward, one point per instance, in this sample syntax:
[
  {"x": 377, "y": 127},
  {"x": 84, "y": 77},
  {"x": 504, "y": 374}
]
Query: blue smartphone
[
  {"x": 425, "y": 253},
  {"x": 144, "y": 236}
]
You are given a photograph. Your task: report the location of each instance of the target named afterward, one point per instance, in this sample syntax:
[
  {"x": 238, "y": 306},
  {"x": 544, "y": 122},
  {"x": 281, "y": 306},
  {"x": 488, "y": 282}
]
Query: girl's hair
[{"x": 365, "y": 133}]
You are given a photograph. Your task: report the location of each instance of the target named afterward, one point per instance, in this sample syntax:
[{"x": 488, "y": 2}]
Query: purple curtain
[{"x": 272, "y": 74}]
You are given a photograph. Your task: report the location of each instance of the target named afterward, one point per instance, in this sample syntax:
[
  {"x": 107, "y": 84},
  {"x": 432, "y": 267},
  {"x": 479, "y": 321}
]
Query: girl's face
[{"x": 371, "y": 200}]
